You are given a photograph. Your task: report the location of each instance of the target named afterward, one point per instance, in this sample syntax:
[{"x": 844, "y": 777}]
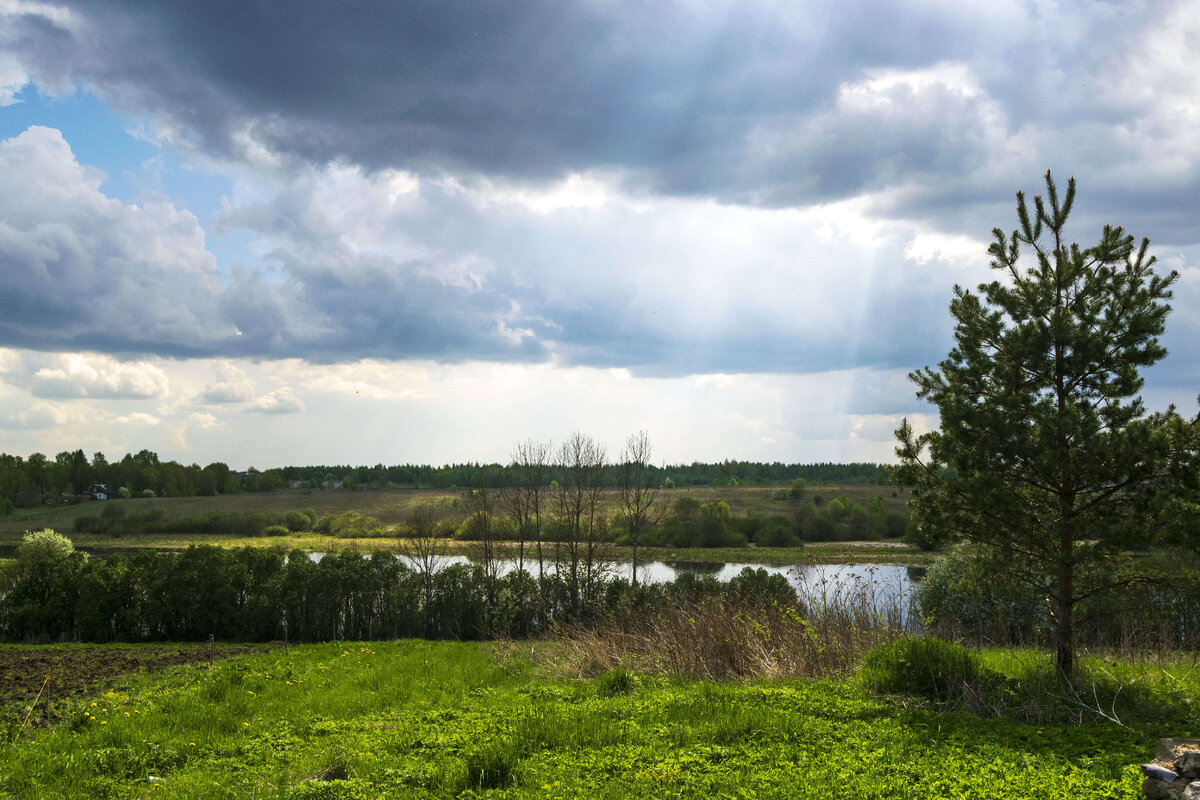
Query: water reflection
[{"x": 879, "y": 586}]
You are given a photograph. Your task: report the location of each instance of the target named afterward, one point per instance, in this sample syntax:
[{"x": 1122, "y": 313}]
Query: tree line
[
  {"x": 52, "y": 592},
  {"x": 35, "y": 480}
]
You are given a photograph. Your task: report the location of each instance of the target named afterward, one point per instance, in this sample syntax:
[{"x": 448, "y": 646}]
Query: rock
[
  {"x": 1165, "y": 749},
  {"x": 1187, "y": 761},
  {"x": 1155, "y": 789},
  {"x": 1191, "y": 791},
  {"x": 1160, "y": 772}
]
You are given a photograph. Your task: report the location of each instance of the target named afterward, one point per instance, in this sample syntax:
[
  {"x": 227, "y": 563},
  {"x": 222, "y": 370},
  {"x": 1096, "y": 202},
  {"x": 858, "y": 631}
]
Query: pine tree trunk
[{"x": 1065, "y": 631}]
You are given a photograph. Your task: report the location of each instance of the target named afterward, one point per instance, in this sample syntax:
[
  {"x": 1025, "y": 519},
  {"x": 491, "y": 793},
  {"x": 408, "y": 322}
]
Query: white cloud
[
  {"x": 12, "y": 79},
  {"x": 929, "y": 246},
  {"x": 280, "y": 401},
  {"x": 576, "y": 191},
  {"x": 203, "y": 420},
  {"x": 91, "y": 268},
  {"x": 96, "y": 376},
  {"x": 36, "y": 416},
  {"x": 231, "y": 386},
  {"x": 139, "y": 418}
]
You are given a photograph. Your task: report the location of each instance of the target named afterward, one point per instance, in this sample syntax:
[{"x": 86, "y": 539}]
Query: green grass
[{"x": 419, "y": 719}]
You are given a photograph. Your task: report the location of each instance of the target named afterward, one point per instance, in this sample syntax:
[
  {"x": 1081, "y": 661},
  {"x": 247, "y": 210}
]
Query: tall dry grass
[{"x": 738, "y": 637}]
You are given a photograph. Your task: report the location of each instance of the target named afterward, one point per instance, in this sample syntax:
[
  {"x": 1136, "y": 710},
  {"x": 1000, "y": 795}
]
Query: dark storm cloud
[
  {"x": 937, "y": 114},
  {"x": 719, "y": 99},
  {"x": 744, "y": 101}
]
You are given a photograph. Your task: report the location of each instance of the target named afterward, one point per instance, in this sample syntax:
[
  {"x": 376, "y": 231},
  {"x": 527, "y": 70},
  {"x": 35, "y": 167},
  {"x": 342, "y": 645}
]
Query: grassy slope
[{"x": 410, "y": 719}]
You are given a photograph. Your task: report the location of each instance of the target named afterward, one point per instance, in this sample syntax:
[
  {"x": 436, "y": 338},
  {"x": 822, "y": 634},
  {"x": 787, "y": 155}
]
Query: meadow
[
  {"x": 437, "y": 719},
  {"x": 391, "y": 507}
]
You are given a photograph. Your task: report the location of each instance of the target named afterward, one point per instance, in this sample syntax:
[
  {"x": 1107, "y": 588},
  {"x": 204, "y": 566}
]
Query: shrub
[
  {"x": 256, "y": 524},
  {"x": 491, "y": 766},
  {"x": 44, "y": 544},
  {"x": 760, "y": 586},
  {"x": 89, "y": 524},
  {"x": 148, "y": 493},
  {"x": 297, "y": 521},
  {"x": 616, "y": 681},
  {"x": 112, "y": 512},
  {"x": 276, "y": 530},
  {"x": 778, "y": 531},
  {"x": 124, "y": 493},
  {"x": 349, "y": 525},
  {"x": 924, "y": 537},
  {"x": 962, "y": 595},
  {"x": 925, "y": 667}
]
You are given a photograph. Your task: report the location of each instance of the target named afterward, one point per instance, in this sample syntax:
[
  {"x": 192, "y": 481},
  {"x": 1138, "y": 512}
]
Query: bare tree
[
  {"x": 426, "y": 551},
  {"x": 523, "y": 499},
  {"x": 639, "y": 495},
  {"x": 577, "y": 505},
  {"x": 481, "y": 524}
]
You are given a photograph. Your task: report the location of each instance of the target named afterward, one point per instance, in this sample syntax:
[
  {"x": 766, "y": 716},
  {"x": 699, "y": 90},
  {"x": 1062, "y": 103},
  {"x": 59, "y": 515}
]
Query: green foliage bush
[
  {"x": 297, "y": 521},
  {"x": 925, "y": 667},
  {"x": 616, "y": 682},
  {"x": 760, "y": 587},
  {"x": 276, "y": 530},
  {"x": 350, "y": 525},
  {"x": 964, "y": 595},
  {"x": 778, "y": 531}
]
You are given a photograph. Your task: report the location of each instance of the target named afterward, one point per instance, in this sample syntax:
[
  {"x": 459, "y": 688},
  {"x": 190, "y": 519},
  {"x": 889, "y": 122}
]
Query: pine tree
[{"x": 1045, "y": 453}]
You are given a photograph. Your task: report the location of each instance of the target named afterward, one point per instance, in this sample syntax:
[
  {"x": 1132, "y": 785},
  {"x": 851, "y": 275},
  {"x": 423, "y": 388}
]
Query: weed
[
  {"x": 615, "y": 682},
  {"x": 931, "y": 668},
  {"x": 491, "y": 766}
]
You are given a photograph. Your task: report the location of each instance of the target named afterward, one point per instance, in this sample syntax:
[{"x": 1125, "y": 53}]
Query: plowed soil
[{"x": 77, "y": 670}]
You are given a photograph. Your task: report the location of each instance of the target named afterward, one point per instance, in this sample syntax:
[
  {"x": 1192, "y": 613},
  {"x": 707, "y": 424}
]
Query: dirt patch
[{"x": 77, "y": 670}]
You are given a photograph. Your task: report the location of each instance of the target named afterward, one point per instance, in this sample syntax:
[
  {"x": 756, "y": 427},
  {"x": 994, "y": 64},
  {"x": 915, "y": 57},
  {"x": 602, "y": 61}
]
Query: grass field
[{"x": 421, "y": 719}]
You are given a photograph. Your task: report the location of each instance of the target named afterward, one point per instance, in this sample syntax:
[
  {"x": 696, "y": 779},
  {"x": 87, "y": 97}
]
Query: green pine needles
[{"x": 1045, "y": 453}]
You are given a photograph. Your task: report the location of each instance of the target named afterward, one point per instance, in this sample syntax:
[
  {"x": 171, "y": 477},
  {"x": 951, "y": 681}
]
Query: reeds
[{"x": 825, "y": 630}]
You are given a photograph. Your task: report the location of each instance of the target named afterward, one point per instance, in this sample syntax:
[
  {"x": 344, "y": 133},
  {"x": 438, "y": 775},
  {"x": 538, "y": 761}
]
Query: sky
[{"x": 274, "y": 233}]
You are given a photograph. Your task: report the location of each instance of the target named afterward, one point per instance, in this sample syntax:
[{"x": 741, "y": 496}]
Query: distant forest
[{"x": 37, "y": 480}]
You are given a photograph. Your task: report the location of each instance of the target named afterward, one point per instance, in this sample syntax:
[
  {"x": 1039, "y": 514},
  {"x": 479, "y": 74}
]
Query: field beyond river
[{"x": 170, "y": 523}]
